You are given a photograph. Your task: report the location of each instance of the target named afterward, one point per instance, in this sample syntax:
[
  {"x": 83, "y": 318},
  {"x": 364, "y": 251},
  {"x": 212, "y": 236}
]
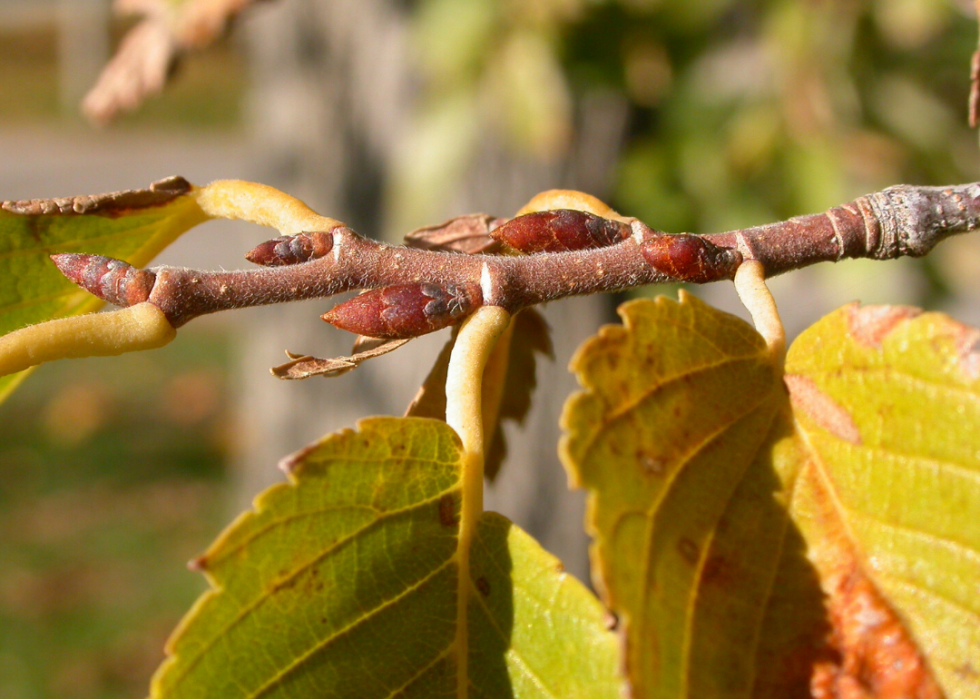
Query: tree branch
[{"x": 899, "y": 221}]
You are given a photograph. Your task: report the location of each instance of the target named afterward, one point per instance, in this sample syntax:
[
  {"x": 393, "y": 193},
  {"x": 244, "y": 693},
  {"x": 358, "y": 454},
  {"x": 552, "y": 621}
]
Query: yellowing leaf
[
  {"x": 344, "y": 583},
  {"x": 678, "y": 404},
  {"x": 758, "y": 548},
  {"x": 887, "y": 406},
  {"x": 133, "y": 226}
]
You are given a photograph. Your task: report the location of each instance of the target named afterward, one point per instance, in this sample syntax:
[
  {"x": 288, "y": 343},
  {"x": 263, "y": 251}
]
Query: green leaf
[
  {"x": 344, "y": 582},
  {"x": 133, "y": 226},
  {"x": 754, "y": 547}
]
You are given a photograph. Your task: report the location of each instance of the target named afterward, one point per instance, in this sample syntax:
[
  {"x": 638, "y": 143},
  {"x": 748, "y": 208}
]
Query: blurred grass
[{"x": 112, "y": 470}]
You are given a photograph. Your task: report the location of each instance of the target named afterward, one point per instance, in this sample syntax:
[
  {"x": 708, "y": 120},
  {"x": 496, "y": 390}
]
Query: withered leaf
[
  {"x": 109, "y": 204},
  {"x": 305, "y": 366},
  {"x": 468, "y": 234},
  {"x": 430, "y": 400},
  {"x": 147, "y": 55}
]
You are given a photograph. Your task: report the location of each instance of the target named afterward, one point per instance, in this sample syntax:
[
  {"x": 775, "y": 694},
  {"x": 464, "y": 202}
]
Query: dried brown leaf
[
  {"x": 430, "y": 401},
  {"x": 109, "y": 204},
  {"x": 147, "y": 55},
  {"x": 305, "y": 366},
  {"x": 468, "y": 234},
  {"x": 530, "y": 337}
]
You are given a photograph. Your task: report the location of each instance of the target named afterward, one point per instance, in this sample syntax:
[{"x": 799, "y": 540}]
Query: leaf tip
[{"x": 199, "y": 564}]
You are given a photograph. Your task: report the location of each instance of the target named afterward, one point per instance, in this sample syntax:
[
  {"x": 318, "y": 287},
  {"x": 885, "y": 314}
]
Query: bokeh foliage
[{"x": 739, "y": 113}]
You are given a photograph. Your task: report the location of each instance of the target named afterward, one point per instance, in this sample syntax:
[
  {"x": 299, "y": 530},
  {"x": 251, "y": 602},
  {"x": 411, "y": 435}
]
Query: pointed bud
[
  {"x": 292, "y": 249},
  {"x": 111, "y": 280},
  {"x": 560, "y": 230},
  {"x": 406, "y": 310},
  {"x": 690, "y": 258}
]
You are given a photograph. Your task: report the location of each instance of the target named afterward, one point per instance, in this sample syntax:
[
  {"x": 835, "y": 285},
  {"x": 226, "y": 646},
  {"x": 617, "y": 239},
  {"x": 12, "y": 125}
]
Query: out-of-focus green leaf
[
  {"x": 133, "y": 226},
  {"x": 757, "y": 546},
  {"x": 344, "y": 582}
]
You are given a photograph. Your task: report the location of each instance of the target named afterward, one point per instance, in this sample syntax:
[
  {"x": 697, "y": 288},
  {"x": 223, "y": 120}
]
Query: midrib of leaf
[
  {"x": 815, "y": 464},
  {"x": 511, "y": 653},
  {"x": 705, "y": 550},
  {"x": 191, "y": 663},
  {"x": 302, "y": 659},
  {"x": 845, "y": 513},
  {"x": 642, "y": 398},
  {"x": 629, "y": 406},
  {"x": 472, "y": 478},
  {"x": 650, "y": 514}
]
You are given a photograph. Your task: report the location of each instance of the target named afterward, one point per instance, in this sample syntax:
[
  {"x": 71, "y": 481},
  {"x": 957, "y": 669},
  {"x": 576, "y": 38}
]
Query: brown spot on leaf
[
  {"x": 870, "y": 325},
  {"x": 483, "y": 586},
  {"x": 651, "y": 465},
  {"x": 283, "y": 582},
  {"x": 807, "y": 397},
  {"x": 967, "y": 672},
  {"x": 447, "y": 510},
  {"x": 718, "y": 570},
  {"x": 966, "y": 346},
  {"x": 688, "y": 550}
]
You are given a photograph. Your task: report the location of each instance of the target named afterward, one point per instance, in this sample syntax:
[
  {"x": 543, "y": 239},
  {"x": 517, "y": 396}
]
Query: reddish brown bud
[
  {"x": 560, "y": 230},
  {"x": 111, "y": 280},
  {"x": 292, "y": 249},
  {"x": 406, "y": 310},
  {"x": 690, "y": 258}
]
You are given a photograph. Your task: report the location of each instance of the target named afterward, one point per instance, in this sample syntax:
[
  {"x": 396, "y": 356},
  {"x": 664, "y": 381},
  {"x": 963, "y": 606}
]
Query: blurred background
[{"x": 392, "y": 114}]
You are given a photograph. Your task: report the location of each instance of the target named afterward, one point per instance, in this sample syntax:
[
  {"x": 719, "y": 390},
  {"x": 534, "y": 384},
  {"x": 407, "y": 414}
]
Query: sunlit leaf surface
[
  {"x": 887, "y": 407},
  {"x": 133, "y": 226},
  {"x": 343, "y": 582},
  {"x": 759, "y": 547}
]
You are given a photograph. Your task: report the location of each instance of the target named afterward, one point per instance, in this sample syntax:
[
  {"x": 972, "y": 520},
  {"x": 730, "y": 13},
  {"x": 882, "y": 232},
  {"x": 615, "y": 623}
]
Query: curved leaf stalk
[
  {"x": 262, "y": 204},
  {"x": 131, "y": 329},
  {"x": 464, "y": 413},
  {"x": 750, "y": 283}
]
